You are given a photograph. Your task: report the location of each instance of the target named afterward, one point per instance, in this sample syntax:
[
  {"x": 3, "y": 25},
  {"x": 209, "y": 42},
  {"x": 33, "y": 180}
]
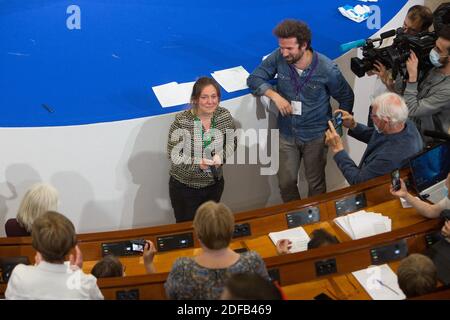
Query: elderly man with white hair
[{"x": 392, "y": 141}]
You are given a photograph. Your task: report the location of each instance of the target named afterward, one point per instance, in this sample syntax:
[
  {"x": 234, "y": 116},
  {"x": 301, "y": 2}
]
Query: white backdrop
[{"x": 115, "y": 175}]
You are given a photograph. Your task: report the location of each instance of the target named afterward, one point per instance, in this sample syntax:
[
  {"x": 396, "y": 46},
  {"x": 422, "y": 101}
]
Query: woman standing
[{"x": 200, "y": 139}]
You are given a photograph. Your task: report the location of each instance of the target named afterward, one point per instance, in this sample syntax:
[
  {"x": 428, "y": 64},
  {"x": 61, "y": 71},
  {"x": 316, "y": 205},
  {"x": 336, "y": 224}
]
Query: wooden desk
[
  {"x": 262, "y": 221},
  {"x": 163, "y": 261},
  {"x": 342, "y": 287}
]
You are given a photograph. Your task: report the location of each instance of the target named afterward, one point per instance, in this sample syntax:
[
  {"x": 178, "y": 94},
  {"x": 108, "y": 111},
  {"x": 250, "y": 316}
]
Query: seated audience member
[
  {"x": 319, "y": 238},
  {"x": 424, "y": 208},
  {"x": 250, "y": 286},
  {"x": 110, "y": 266},
  {"x": 203, "y": 276},
  {"x": 390, "y": 144},
  {"x": 53, "y": 237},
  {"x": 38, "y": 200},
  {"x": 417, "y": 275}
]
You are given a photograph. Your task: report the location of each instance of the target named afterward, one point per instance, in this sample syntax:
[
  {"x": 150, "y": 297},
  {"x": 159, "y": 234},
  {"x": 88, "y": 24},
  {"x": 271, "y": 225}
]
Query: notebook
[
  {"x": 297, "y": 236},
  {"x": 380, "y": 282}
]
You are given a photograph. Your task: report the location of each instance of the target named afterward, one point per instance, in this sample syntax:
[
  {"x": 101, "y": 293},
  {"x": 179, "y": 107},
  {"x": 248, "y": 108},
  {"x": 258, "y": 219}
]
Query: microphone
[
  {"x": 353, "y": 44},
  {"x": 437, "y": 135},
  {"x": 388, "y": 34}
]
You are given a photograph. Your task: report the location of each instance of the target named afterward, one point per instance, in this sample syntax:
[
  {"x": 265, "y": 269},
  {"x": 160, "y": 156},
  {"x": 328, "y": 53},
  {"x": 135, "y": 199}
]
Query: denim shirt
[{"x": 326, "y": 80}]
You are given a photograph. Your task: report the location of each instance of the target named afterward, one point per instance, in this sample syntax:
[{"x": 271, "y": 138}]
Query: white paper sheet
[
  {"x": 173, "y": 93},
  {"x": 380, "y": 282},
  {"x": 297, "y": 236},
  {"x": 232, "y": 79}
]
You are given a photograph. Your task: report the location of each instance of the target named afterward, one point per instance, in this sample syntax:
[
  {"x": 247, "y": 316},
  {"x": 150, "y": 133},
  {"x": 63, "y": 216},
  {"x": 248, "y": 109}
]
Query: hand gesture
[
  {"x": 412, "y": 65},
  {"x": 76, "y": 262},
  {"x": 347, "y": 119},
  {"x": 283, "y": 105},
  {"x": 284, "y": 246},
  {"x": 333, "y": 140},
  {"x": 446, "y": 229},
  {"x": 205, "y": 163},
  {"x": 149, "y": 251},
  {"x": 217, "y": 160},
  {"x": 149, "y": 255},
  {"x": 402, "y": 192}
]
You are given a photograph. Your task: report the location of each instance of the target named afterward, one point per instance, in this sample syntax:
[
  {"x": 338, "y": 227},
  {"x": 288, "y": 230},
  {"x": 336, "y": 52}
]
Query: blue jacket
[
  {"x": 325, "y": 81},
  {"x": 384, "y": 152}
]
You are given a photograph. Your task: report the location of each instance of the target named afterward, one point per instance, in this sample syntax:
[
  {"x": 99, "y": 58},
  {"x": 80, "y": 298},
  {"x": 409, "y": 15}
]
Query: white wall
[{"x": 115, "y": 175}]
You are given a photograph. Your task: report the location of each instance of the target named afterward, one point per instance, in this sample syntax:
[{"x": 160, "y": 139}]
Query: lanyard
[
  {"x": 294, "y": 75},
  {"x": 206, "y": 139}
]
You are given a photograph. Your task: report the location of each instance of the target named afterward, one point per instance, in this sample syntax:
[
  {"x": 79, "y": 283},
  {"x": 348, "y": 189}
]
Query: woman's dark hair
[
  {"x": 109, "y": 266},
  {"x": 321, "y": 238},
  {"x": 251, "y": 286},
  {"x": 199, "y": 85}
]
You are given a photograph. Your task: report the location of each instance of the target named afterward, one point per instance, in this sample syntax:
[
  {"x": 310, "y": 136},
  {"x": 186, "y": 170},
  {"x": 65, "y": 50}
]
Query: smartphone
[
  {"x": 337, "y": 122},
  {"x": 395, "y": 180},
  {"x": 138, "y": 245}
]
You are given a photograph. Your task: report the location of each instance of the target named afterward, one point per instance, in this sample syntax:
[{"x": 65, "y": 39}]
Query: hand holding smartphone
[
  {"x": 395, "y": 180},
  {"x": 338, "y": 122}
]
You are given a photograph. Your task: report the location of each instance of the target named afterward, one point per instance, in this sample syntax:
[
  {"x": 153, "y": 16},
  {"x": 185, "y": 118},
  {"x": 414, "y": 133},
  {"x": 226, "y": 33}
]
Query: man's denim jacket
[{"x": 326, "y": 80}]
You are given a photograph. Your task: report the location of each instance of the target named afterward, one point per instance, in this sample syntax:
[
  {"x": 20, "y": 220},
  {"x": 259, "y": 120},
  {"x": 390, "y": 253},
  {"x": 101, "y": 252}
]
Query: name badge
[{"x": 296, "y": 107}]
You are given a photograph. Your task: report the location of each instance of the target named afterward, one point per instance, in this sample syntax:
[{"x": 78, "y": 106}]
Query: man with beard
[
  {"x": 306, "y": 81},
  {"x": 429, "y": 101}
]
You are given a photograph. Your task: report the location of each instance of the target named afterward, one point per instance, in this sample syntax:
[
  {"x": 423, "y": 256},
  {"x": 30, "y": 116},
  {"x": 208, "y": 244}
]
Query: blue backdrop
[{"x": 105, "y": 71}]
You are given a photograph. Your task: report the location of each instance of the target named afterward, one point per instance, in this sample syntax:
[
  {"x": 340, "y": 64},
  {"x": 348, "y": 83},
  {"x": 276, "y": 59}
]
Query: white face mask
[
  {"x": 376, "y": 128},
  {"x": 435, "y": 58}
]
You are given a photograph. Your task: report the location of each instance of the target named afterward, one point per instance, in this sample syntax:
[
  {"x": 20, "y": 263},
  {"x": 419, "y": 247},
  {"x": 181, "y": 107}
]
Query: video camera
[{"x": 395, "y": 56}]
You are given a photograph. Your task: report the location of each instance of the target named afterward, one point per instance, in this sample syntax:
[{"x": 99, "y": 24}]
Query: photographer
[
  {"x": 429, "y": 101},
  {"x": 418, "y": 19},
  {"x": 389, "y": 144}
]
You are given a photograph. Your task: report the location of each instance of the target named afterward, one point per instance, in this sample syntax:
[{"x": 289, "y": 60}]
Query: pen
[
  {"x": 46, "y": 107},
  {"x": 384, "y": 285}
]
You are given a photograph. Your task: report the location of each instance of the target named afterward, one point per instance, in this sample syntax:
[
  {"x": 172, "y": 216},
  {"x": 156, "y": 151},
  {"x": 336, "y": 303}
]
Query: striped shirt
[{"x": 187, "y": 141}]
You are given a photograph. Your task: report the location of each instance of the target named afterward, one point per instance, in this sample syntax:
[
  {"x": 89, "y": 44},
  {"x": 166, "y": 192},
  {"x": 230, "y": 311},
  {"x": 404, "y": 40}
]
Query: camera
[{"x": 395, "y": 56}]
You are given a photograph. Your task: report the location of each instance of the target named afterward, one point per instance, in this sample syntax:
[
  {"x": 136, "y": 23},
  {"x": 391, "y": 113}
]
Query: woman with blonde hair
[
  {"x": 39, "y": 199},
  {"x": 204, "y": 276}
]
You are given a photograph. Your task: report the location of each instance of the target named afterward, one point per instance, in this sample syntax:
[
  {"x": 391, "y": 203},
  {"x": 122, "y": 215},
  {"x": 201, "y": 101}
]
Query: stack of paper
[
  {"x": 358, "y": 13},
  {"x": 380, "y": 282},
  {"x": 297, "y": 236},
  {"x": 173, "y": 93},
  {"x": 364, "y": 224},
  {"x": 233, "y": 79}
]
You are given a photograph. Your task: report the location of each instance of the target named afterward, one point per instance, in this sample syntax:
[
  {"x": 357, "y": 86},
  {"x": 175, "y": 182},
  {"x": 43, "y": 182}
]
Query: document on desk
[
  {"x": 297, "y": 236},
  {"x": 173, "y": 93},
  {"x": 364, "y": 224},
  {"x": 233, "y": 79},
  {"x": 380, "y": 282}
]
